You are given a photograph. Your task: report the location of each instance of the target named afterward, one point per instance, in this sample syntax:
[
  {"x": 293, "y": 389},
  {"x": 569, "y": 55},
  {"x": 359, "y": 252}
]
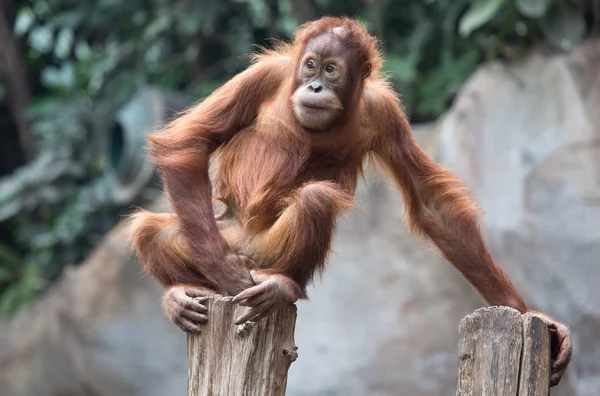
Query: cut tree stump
[
  {"x": 503, "y": 353},
  {"x": 252, "y": 359}
]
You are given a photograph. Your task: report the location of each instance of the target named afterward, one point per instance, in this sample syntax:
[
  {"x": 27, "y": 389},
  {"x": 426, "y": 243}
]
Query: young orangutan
[{"x": 290, "y": 135}]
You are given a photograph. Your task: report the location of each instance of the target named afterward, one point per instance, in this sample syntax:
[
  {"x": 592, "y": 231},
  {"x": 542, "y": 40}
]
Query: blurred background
[{"x": 506, "y": 93}]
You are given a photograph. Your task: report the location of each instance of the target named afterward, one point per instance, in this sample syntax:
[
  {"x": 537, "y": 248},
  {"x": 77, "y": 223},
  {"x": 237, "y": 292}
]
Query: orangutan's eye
[
  {"x": 330, "y": 68},
  {"x": 310, "y": 64}
]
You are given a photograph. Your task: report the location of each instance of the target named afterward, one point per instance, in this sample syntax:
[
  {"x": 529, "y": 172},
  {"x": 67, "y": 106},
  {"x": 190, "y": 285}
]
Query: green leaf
[
  {"x": 403, "y": 68},
  {"x": 157, "y": 27},
  {"x": 8, "y": 301},
  {"x": 82, "y": 50},
  {"x": 480, "y": 12},
  {"x": 41, "y": 8},
  {"x": 41, "y": 39},
  {"x": 189, "y": 24},
  {"x": 564, "y": 26},
  {"x": 533, "y": 8},
  {"x": 63, "y": 77},
  {"x": 28, "y": 286},
  {"x": 64, "y": 43},
  {"x": 20, "y": 293},
  {"x": 24, "y": 21},
  {"x": 259, "y": 13}
]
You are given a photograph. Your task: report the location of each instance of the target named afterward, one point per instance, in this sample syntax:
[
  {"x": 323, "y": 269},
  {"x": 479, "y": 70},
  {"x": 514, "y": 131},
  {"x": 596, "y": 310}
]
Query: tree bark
[
  {"x": 250, "y": 360},
  {"x": 596, "y": 13},
  {"x": 13, "y": 72},
  {"x": 503, "y": 353},
  {"x": 536, "y": 358}
]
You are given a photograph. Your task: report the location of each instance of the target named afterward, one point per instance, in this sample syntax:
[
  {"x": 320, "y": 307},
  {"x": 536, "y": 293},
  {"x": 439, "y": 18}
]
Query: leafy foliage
[
  {"x": 433, "y": 46},
  {"x": 58, "y": 206},
  {"x": 89, "y": 58},
  {"x": 533, "y": 8},
  {"x": 480, "y": 12}
]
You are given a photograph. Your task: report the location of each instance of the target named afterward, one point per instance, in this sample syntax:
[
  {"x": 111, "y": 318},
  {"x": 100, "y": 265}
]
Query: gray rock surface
[{"x": 383, "y": 320}]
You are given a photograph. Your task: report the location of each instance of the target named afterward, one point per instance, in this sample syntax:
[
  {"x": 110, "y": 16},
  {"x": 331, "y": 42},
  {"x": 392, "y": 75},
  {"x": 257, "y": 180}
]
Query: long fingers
[
  {"x": 256, "y": 312},
  {"x": 566, "y": 346},
  {"x": 194, "y": 316},
  {"x": 562, "y": 359},
  {"x": 250, "y": 292},
  {"x": 188, "y": 313},
  {"x": 264, "y": 313},
  {"x": 255, "y": 300},
  {"x": 194, "y": 305},
  {"x": 187, "y": 325}
]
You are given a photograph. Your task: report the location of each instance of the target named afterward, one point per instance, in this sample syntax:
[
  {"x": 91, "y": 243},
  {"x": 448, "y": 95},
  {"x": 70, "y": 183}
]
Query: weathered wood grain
[
  {"x": 535, "y": 363},
  {"x": 252, "y": 359},
  {"x": 503, "y": 353},
  {"x": 490, "y": 352}
]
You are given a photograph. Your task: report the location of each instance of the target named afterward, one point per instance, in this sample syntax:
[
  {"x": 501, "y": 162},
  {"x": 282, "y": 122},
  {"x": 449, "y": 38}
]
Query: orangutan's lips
[{"x": 313, "y": 106}]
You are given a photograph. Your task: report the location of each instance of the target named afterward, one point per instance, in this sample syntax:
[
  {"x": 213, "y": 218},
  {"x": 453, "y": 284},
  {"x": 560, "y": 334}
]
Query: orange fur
[
  {"x": 286, "y": 186},
  {"x": 157, "y": 240}
]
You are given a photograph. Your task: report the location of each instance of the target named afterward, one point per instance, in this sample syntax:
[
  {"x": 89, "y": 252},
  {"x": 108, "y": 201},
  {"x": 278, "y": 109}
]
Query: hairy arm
[
  {"x": 438, "y": 207},
  {"x": 182, "y": 150},
  {"x": 436, "y": 203}
]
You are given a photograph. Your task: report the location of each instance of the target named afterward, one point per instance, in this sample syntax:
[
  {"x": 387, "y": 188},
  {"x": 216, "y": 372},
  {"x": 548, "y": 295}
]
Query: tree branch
[{"x": 14, "y": 76}]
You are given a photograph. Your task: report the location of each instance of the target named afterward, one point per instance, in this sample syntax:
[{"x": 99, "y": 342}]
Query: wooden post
[
  {"x": 503, "y": 353},
  {"x": 252, "y": 359}
]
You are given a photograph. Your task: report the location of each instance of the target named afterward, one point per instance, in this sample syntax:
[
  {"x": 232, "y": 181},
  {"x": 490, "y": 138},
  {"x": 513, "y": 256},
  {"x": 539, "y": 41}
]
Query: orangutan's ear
[{"x": 366, "y": 70}]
